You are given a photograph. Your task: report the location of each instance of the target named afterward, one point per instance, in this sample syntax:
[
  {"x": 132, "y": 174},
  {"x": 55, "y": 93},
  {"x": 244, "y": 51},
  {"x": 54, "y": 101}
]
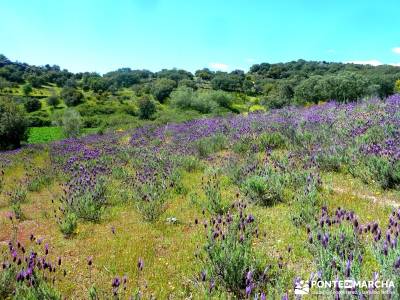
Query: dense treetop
[{"x": 276, "y": 85}]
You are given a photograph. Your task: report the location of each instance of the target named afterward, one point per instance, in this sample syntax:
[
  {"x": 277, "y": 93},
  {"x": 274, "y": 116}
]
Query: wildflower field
[{"x": 235, "y": 207}]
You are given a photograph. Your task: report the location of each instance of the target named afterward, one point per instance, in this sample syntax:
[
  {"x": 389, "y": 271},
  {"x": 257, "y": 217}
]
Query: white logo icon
[{"x": 301, "y": 288}]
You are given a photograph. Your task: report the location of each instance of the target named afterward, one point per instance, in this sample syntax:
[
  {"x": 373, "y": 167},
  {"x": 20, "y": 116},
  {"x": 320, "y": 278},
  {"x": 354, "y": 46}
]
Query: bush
[
  {"x": 330, "y": 162},
  {"x": 150, "y": 198},
  {"x": 68, "y": 224},
  {"x": 386, "y": 251},
  {"x": 191, "y": 163},
  {"x": 27, "y": 89},
  {"x": 182, "y": 97},
  {"x": 39, "y": 119},
  {"x": 209, "y": 145},
  {"x": 265, "y": 190},
  {"x": 212, "y": 191},
  {"x": 385, "y": 172},
  {"x": 13, "y": 124},
  {"x": 16, "y": 198},
  {"x": 26, "y": 273},
  {"x": 223, "y": 99},
  {"x": 32, "y": 104},
  {"x": 71, "y": 96},
  {"x": 38, "y": 178},
  {"x": 71, "y": 123},
  {"x": 162, "y": 88},
  {"x": 273, "y": 140},
  {"x": 230, "y": 261},
  {"x": 85, "y": 197},
  {"x": 336, "y": 243},
  {"x": 53, "y": 100},
  {"x": 201, "y": 101},
  {"x": 243, "y": 145},
  {"x": 92, "y": 121},
  {"x": 147, "y": 108},
  {"x": 306, "y": 204}
]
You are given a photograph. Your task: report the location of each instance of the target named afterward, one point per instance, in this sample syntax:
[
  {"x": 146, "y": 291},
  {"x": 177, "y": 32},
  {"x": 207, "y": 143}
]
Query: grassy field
[
  {"x": 44, "y": 134},
  {"x": 193, "y": 173}
]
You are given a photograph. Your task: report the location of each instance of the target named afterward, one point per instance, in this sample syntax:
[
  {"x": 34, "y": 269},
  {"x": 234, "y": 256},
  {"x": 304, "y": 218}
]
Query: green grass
[
  {"x": 38, "y": 135},
  {"x": 168, "y": 250}
]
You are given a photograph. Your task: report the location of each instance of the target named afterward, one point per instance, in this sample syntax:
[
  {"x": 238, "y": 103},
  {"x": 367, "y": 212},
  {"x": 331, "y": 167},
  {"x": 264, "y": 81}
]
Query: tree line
[{"x": 276, "y": 85}]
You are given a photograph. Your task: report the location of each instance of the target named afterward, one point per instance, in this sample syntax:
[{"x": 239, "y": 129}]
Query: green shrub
[
  {"x": 71, "y": 123},
  {"x": 130, "y": 110},
  {"x": 16, "y": 198},
  {"x": 337, "y": 247},
  {"x": 147, "y": 108},
  {"x": 229, "y": 259},
  {"x": 243, "y": 145},
  {"x": 86, "y": 198},
  {"x": 330, "y": 162},
  {"x": 17, "y": 210},
  {"x": 68, "y": 224},
  {"x": 201, "y": 101},
  {"x": 89, "y": 205},
  {"x": 273, "y": 140},
  {"x": 27, "y": 89},
  {"x": 265, "y": 190},
  {"x": 209, "y": 145},
  {"x": 53, "y": 100},
  {"x": 91, "y": 110},
  {"x": 10, "y": 288},
  {"x": 214, "y": 201},
  {"x": 182, "y": 97},
  {"x": 151, "y": 210},
  {"x": 162, "y": 88},
  {"x": 176, "y": 181},
  {"x": 7, "y": 282},
  {"x": 222, "y": 98},
  {"x": 13, "y": 124},
  {"x": 385, "y": 172},
  {"x": 119, "y": 172},
  {"x": 374, "y": 169},
  {"x": 191, "y": 163},
  {"x": 18, "y": 195},
  {"x": 71, "y": 96},
  {"x": 39, "y": 119},
  {"x": 38, "y": 178},
  {"x": 32, "y": 104},
  {"x": 306, "y": 204},
  {"x": 150, "y": 200},
  {"x": 92, "y": 121},
  {"x": 42, "y": 290}
]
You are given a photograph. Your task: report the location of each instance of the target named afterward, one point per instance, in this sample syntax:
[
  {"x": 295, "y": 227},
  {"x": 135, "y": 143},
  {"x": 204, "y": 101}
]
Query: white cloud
[
  {"x": 219, "y": 66},
  {"x": 331, "y": 51},
  {"x": 396, "y": 65},
  {"x": 372, "y": 62},
  {"x": 396, "y": 50}
]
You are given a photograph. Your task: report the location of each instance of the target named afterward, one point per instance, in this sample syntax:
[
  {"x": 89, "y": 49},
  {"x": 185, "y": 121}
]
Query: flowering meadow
[{"x": 236, "y": 207}]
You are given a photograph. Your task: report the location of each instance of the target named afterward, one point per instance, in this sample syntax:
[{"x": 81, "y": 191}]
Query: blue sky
[{"x": 103, "y": 35}]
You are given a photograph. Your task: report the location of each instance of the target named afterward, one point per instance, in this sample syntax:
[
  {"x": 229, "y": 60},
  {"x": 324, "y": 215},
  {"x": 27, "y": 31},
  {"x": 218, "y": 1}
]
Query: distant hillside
[{"x": 275, "y": 84}]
